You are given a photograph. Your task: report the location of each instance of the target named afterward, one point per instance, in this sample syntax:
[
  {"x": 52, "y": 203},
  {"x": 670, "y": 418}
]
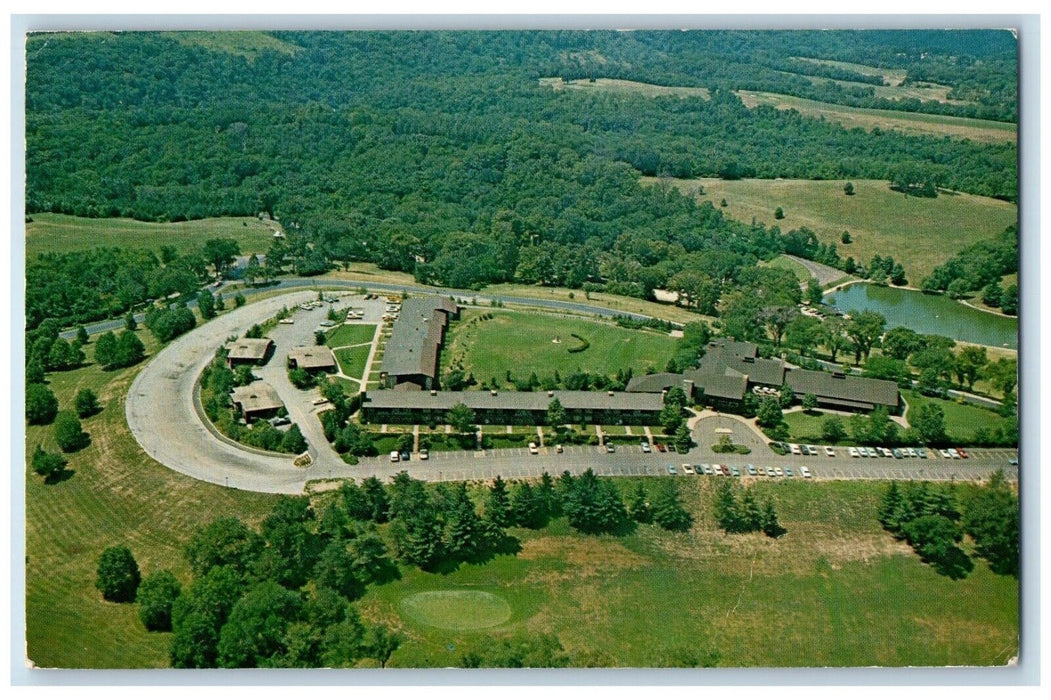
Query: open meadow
[
  {"x": 494, "y": 342},
  {"x": 114, "y": 494},
  {"x": 836, "y": 590},
  {"x": 59, "y": 233},
  {"x": 915, "y": 123},
  {"x": 921, "y": 233}
]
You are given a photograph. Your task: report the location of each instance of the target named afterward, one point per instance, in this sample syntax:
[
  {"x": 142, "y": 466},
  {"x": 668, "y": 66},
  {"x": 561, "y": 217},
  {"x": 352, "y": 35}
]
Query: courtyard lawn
[
  {"x": 492, "y": 343},
  {"x": 350, "y": 334},
  {"x": 961, "y": 420},
  {"x": 806, "y": 427},
  {"x": 352, "y": 360}
]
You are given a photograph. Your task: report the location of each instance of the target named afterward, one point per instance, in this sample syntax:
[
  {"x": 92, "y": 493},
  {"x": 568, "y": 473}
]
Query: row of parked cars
[
  {"x": 750, "y": 469},
  {"x": 804, "y": 450}
]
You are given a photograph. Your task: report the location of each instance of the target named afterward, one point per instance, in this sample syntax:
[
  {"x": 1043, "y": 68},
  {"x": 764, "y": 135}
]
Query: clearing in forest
[{"x": 920, "y": 233}]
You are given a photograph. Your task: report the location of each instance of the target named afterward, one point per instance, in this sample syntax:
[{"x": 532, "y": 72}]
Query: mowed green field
[
  {"x": 59, "y": 233},
  {"x": 352, "y": 360},
  {"x": 921, "y": 233},
  {"x": 961, "y": 420},
  {"x": 116, "y": 494},
  {"x": 913, "y": 123},
  {"x": 836, "y": 590},
  {"x": 350, "y": 334},
  {"x": 523, "y": 342}
]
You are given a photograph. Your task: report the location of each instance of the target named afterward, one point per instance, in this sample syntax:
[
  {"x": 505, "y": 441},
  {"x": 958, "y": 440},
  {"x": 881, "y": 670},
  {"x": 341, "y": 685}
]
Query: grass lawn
[
  {"x": 350, "y": 334},
  {"x": 836, "y": 590},
  {"x": 352, "y": 360},
  {"x": 522, "y": 343},
  {"x": 921, "y": 233},
  {"x": 59, "y": 233},
  {"x": 915, "y": 123},
  {"x": 116, "y": 494},
  {"x": 792, "y": 266},
  {"x": 247, "y": 44},
  {"x": 803, "y": 427},
  {"x": 960, "y": 419}
]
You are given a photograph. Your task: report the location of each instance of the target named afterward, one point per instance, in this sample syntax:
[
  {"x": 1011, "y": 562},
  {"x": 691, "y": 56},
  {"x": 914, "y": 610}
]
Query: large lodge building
[{"x": 727, "y": 372}]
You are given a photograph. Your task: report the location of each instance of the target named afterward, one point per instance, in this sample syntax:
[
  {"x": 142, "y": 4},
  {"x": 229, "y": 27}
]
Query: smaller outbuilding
[
  {"x": 317, "y": 358},
  {"x": 257, "y": 400},
  {"x": 248, "y": 351}
]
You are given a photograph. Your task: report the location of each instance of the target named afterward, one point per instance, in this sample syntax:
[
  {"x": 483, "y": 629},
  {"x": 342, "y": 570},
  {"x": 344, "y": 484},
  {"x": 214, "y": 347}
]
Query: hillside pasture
[
  {"x": 60, "y": 233},
  {"x": 921, "y": 233},
  {"x": 523, "y": 342},
  {"x": 241, "y": 43},
  {"x": 891, "y": 76},
  {"x": 914, "y": 123},
  {"x": 616, "y": 85}
]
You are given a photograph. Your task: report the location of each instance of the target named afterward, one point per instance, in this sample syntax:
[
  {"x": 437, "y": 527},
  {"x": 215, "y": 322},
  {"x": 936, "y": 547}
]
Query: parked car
[
  {"x": 404, "y": 455},
  {"x": 660, "y": 447},
  {"x": 945, "y": 454},
  {"x": 424, "y": 454},
  {"x": 788, "y": 471},
  {"x": 794, "y": 449},
  {"x": 610, "y": 449},
  {"x": 688, "y": 469},
  {"x": 962, "y": 454},
  {"x": 558, "y": 449},
  {"x": 953, "y": 453},
  {"x": 533, "y": 449},
  {"x": 646, "y": 447},
  {"x": 1013, "y": 461},
  {"x": 922, "y": 453},
  {"x": 394, "y": 456},
  {"x": 778, "y": 472},
  {"x": 671, "y": 469},
  {"x": 812, "y": 449},
  {"x": 829, "y": 452},
  {"x": 853, "y": 451},
  {"x": 898, "y": 454},
  {"x": 751, "y": 469},
  {"x": 805, "y": 472},
  {"x": 735, "y": 471}
]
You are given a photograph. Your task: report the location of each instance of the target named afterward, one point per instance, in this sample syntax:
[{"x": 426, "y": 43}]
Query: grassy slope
[
  {"x": 522, "y": 343},
  {"x": 241, "y": 43},
  {"x": 616, "y": 85},
  {"x": 960, "y": 419},
  {"x": 922, "y": 233},
  {"x": 59, "y": 233},
  {"x": 835, "y": 591},
  {"x": 117, "y": 494},
  {"x": 792, "y": 266},
  {"x": 886, "y": 119}
]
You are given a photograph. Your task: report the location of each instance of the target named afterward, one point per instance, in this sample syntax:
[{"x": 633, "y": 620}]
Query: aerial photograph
[{"x": 521, "y": 348}]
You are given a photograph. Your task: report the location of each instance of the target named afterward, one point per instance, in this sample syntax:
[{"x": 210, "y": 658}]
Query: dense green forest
[{"x": 439, "y": 153}]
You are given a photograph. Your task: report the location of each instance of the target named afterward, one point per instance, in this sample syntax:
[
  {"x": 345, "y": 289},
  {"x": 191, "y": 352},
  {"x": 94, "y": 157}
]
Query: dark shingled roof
[
  {"x": 248, "y": 349},
  {"x": 743, "y": 358},
  {"x": 416, "y": 336},
  {"x": 727, "y": 384},
  {"x": 654, "y": 382},
  {"x": 514, "y": 400},
  {"x": 256, "y": 397},
  {"x": 315, "y": 357},
  {"x": 860, "y": 392}
]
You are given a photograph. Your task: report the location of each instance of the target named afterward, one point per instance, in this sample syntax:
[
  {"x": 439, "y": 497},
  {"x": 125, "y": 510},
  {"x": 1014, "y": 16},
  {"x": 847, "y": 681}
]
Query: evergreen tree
[
  {"x": 668, "y": 511},
  {"x": 727, "y": 510},
  {"x": 466, "y": 533},
  {"x": 751, "y": 514},
  {"x": 771, "y": 527},
  {"x": 639, "y": 505},
  {"x": 498, "y": 504},
  {"x": 87, "y": 403}
]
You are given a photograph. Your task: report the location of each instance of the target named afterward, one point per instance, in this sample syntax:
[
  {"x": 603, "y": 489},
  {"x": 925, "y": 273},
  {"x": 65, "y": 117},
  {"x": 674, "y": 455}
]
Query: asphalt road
[
  {"x": 161, "y": 414},
  {"x": 319, "y": 283}
]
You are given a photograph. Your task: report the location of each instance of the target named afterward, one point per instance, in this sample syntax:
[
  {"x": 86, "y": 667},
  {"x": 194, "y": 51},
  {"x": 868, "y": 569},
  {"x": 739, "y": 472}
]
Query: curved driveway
[{"x": 161, "y": 415}]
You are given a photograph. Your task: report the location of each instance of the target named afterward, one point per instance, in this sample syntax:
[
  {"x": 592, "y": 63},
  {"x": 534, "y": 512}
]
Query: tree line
[{"x": 933, "y": 520}]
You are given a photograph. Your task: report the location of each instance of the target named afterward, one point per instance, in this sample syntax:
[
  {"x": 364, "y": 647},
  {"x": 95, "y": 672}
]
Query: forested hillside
[{"x": 440, "y": 153}]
